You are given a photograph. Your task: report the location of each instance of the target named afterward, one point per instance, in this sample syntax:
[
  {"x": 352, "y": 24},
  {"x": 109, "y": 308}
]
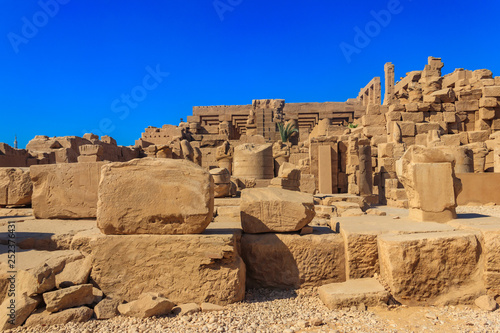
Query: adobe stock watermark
[
  {"x": 372, "y": 29},
  {"x": 30, "y": 28},
  {"x": 122, "y": 106},
  {"x": 223, "y": 6}
]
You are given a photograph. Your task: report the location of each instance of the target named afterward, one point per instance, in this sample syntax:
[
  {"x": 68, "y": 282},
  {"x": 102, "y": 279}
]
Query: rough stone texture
[
  {"x": 155, "y": 196},
  {"x": 15, "y": 186},
  {"x": 147, "y": 305},
  {"x": 253, "y": 161},
  {"x": 184, "y": 268},
  {"x": 275, "y": 210},
  {"x": 292, "y": 260},
  {"x": 68, "y": 297},
  {"x": 36, "y": 270},
  {"x": 107, "y": 308},
  {"x": 65, "y": 191},
  {"x": 186, "y": 309},
  {"x": 430, "y": 183},
  {"x": 353, "y": 293},
  {"x": 209, "y": 307},
  {"x": 486, "y": 303},
  {"x": 361, "y": 235},
  {"x": 74, "y": 273},
  {"x": 24, "y": 305},
  {"x": 76, "y": 315},
  {"x": 431, "y": 268}
]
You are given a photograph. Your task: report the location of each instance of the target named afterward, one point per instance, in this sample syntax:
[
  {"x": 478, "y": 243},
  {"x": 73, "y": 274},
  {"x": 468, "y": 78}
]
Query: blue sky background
[{"x": 63, "y": 78}]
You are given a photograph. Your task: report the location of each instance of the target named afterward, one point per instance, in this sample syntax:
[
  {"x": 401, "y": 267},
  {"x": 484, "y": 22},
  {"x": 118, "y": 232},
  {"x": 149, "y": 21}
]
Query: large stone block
[
  {"x": 292, "y": 260},
  {"x": 155, "y": 196},
  {"x": 275, "y": 210},
  {"x": 253, "y": 161},
  {"x": 430, "y": 183},
  {"x": 65, "y": 191},
  {"x": 184, "y": 268},
  {"x": 434, "y": 268},
  {"x": 15, "y": 186},
  {"x": 353, "y": 293}
]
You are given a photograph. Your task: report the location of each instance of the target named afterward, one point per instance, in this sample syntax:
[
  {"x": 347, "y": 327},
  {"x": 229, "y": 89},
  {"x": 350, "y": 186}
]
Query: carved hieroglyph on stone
[
  {"x": 431, "y": 185},
  {"x": 275, "y": 210},
  {"x": 66, "y": 191},
  {"x": 155, "y": 196},
  {"x": 15, "y": 186}
]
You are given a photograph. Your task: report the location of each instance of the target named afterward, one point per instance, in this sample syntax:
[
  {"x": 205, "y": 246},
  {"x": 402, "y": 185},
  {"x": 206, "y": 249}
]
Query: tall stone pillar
[
  {"x": 389, "y": 83},
  {"x": 365, "y": 182}
]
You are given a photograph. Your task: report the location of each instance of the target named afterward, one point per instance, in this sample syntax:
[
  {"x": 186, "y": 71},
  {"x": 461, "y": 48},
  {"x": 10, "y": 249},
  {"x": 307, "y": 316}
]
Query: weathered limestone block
[
  {"x": 445, "y": 95},
  {"x": 431, "y": 268},
  {"x": 184, "y": 268},
  {"x": 68, "y": 297},
  {"x": 15, "y": 186},
  {"x": 107, "y": 308},
  {"x": 292, "y": 260},
  {"x": 36, "y": 270},
  {"x": 24, "y": 306},
  {"x": 492, "y": 91},
  {"x": 253, "y": 161},
  {"x": 430, "y": 183},
  {"x": 275, "y": 210},
  {"x": 147, "y": 305},
  {"x": 353, "y": 293},
  {"x": 155, "y": 196},
  {"x": 65, "y": 191},
  {"x": 77, "y": 315},
  {"x": 74, "y": 273}
]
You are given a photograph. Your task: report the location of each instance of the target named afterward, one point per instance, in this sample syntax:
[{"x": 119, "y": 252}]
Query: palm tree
[{"x": 286, "y": 131}]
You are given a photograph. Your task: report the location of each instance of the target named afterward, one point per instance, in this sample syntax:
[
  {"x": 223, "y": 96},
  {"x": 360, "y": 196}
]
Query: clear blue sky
[{"x": 69, "y": 69}]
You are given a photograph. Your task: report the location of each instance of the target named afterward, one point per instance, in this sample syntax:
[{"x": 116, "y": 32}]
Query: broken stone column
[
  {"x": 431, "y": 185},
  {"x": 222, "y": 182},
  {"x": 224, "y": 156},
  {"x": 253, "y": 161},
  {"x": 365, "y": 182},
  {"x": 281, "y": 154}
]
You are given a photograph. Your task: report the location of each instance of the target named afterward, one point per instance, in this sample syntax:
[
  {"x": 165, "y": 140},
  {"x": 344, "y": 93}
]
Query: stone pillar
[
  {"x": 325, "y": 169},
  {"x": 365, "y": 182},
  {"x": 389, "y": 83}
]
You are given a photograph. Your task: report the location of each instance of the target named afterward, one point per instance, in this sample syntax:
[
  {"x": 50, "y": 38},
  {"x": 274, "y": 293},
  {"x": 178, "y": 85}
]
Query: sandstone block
[
  {"x": 45, "y": 318},
  {"x": 407, "y": 128},
  {"x": 416, "y": 117},
  {"x": 448, "y": 107},
  {"x": 407, "y": 261},
  {"x": 186, "y": 309},
  {"x": 426, "y": 127},
  {"x": 449, "y": 117},
  {"x": 486, "y": 303},
  {"x": 275, "y": 210},
  {"x": 65, "y": 191},
  {"x": 74, "y": 273},
  {"x": 24, "y": 306},
  {"x": 411, "y": 107},
  {"x": 147, "y": 305},
  {"x": 373, "y": 120},
  {"x": 372, "y": 131},
  {"x": 492, "y": 91},
  {"x": 488, "y": 102},
  {"x": 445, "y": 95},
  {"x": 209, "y": 307},
  {"x": 68, "y": 297},
  {"x": 155, "y": 196},
  {"x": 107, "y": 308},
  {"x": 394, "y": 115},
  {"x": 185, "y": 268},
  {"x": 292, "y": 260},
  {"x": 220, "y": 175},
  {"x": 353, "y": 293},
  {"x": 487, "y": 113},
  {"x": 478, "y": 136},
  {"x": 15, "y": 186},
  {"x": 468, "y": 105},
  {"x": 253, "y": 161}
]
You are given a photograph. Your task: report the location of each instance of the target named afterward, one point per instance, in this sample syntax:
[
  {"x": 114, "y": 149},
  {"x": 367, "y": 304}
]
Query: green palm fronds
[{"x": 286, "y": 131}]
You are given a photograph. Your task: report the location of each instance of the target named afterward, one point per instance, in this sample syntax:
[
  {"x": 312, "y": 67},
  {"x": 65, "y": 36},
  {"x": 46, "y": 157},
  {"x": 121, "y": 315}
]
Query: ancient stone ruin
[{"x": 358, "y": 199}]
